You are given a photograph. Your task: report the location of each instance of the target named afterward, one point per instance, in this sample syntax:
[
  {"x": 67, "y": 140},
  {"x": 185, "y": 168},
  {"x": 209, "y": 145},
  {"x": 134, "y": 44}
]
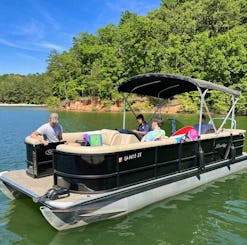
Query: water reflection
[{"x": 25, "y": 222}]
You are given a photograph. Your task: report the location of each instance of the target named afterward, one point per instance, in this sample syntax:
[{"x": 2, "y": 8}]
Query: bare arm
[
  {"x": 139, "y": 132},
  {"x": 37, "y": 136}
]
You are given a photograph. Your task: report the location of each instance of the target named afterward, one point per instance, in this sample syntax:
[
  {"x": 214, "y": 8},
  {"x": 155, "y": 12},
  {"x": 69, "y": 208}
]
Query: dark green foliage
[
  {"x": 31, "y": 89},
  {"x": 206, "y": 39}
]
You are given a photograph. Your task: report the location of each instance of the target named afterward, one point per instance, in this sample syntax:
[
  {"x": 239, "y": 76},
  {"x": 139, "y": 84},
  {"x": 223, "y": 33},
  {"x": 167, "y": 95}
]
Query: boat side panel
[
  {"x": 238, "y": 141},
  {"x": 76, "y": 164},
  {"x": 39, "y": 159},
  {"x": 220, "y": 148},
  {"x": 85, "y": 173},
  {"x": 104, "y": 172},
  {"x": 100, "y": 172}
]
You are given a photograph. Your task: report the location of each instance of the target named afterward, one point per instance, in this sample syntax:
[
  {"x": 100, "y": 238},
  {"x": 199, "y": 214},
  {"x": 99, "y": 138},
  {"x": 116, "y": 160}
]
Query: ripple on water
[{"x": 227, "y": 217}]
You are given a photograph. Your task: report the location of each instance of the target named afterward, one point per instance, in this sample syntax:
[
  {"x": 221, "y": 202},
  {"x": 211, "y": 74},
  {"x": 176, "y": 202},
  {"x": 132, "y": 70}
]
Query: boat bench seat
[
  {"x": 125, "y": 142},
  {"x": 70, "y": 137},
  {"x": 114, "y": 138},
  {"x": 32, "y": 141},
  {"x": 73, "y": 136},
  {"x": 109, "y": 137},
  {"x": 127, "y": 139},
  {"x": 114, "y": 148}
]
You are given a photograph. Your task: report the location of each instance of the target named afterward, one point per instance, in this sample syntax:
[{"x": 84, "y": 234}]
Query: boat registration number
[{"x": 129, "y": 157}]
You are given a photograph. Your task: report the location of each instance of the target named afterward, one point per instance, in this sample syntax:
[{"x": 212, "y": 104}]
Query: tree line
[
  {"x": 30, "y": 89},
  {"x": 205, "y": 39}
]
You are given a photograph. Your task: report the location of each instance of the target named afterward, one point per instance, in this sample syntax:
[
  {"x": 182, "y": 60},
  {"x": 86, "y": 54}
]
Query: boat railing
[{"x": 233, "y": 121}]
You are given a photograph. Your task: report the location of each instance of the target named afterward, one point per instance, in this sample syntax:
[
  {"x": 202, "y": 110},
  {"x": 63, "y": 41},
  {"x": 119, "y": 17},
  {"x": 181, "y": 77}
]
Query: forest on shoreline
[{"x": 205, "y": 39}]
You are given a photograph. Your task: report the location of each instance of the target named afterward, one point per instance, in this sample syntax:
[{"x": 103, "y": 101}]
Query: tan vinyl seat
[
  {"x": 72, "y": 137},
  {"x": 110, "y": 137},
  {"x": 127, "y": 139},
  {"x": 224, "y": 133},
  {"x": 32, "y": 141}
]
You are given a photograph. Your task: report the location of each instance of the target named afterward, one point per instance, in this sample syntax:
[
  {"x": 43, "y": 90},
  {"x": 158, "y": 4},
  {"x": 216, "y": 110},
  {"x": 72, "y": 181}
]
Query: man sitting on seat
[
  {"x": 156, "y": 133},
  {"x": 49, "y": 132},
  {"x": 205, "y": 127}
]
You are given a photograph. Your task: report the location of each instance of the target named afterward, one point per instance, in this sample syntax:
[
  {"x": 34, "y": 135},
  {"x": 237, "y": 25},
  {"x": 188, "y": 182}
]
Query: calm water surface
[{"x": 212, "y": 214}]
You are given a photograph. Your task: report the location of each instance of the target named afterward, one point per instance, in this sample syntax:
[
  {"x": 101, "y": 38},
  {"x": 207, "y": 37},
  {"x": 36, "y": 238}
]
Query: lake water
[{"x": 212, "y": 214}]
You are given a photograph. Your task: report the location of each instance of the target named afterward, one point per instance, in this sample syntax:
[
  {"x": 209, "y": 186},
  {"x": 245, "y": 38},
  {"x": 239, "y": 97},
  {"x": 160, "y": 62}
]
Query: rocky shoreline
[
  {"x": 23, "y": 104},
  {"x": 97, "y": 106}
]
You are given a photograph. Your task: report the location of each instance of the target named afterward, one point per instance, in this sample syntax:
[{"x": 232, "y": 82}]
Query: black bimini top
[{"x": 167, "y": 85}]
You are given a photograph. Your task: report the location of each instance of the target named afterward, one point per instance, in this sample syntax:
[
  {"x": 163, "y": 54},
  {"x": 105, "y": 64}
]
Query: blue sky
[{"x": 29, "y": 29}]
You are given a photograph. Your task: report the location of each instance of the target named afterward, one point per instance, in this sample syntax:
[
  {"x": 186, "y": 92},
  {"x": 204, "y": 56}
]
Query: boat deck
[{"x": 37, "y": 187}]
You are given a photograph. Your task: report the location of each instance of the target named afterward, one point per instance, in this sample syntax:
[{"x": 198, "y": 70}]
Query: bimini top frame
[{"x": 164, "y": 86}]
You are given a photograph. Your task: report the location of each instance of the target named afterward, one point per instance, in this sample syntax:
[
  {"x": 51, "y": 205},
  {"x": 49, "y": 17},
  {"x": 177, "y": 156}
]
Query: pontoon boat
[{"x": 93, "y": 183}]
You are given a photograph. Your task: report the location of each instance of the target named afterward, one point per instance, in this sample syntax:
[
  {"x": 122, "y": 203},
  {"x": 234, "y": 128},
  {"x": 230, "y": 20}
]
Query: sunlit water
[{"x": 212, "y": 214}]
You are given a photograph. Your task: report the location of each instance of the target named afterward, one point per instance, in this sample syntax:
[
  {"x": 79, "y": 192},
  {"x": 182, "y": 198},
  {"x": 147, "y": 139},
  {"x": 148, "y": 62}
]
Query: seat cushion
[{"x": 110, "y": 137}]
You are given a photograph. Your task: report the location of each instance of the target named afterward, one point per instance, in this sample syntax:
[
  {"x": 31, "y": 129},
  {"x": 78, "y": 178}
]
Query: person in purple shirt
[
  {"x": 143, "y": 128},
  {"x": 205, "y": 127}
]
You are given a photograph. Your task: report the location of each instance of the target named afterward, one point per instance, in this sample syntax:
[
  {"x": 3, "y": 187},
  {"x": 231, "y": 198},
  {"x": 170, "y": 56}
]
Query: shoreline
[
  {"x": 94, "y": 108},
  {"x": 22, "y": 104},
  {"x": 139, "y": 106}
]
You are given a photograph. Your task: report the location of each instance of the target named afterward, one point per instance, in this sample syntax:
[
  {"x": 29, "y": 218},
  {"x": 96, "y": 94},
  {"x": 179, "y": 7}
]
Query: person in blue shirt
[
  {"x": 205, "y": 127},
  {"x": 143, "y": 128},
  {"x": 157, "y": 133}
]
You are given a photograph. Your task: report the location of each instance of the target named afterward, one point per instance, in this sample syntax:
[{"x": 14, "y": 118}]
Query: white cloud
[
  {"x": 7, "y": 43},
  {"x": 49, "y": 19},
  {"x": 49, "y": 45},
  {"x": 15, "y": 45},
  {"x": 27, "y": 56},
  {"x": 33, "y": 29},
  {"x": 38, "y": 46}
]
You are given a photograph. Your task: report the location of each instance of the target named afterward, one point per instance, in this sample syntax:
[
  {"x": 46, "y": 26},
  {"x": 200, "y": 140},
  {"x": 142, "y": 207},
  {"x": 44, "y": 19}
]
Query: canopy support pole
[
  {"x": 201, "y": 107},
  {"x": 157, "y": 109},
  {"x": 125, "y": 105},
  {"x": 228, "y": 114},
  {"x": 210, "y": 117},
  {"x": 233, "y": 113},
  {"x": 124, "y": 113},
  {"x": 130, "y": 108}
]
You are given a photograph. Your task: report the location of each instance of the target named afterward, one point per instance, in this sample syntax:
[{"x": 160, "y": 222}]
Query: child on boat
[{"x": 156, "y": 133}]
